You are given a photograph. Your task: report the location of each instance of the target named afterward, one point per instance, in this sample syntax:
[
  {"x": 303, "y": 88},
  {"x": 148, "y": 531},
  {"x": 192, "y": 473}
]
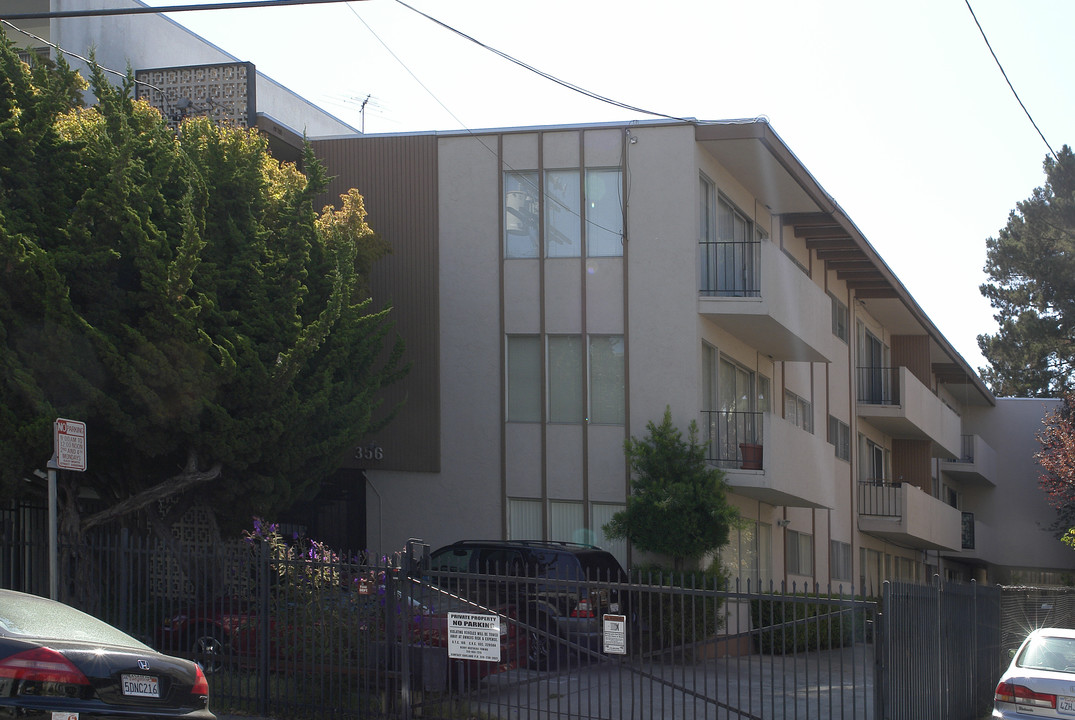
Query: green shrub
[
  {"x": 681, "y": 609},
  {"x": 796, "y": 623}
]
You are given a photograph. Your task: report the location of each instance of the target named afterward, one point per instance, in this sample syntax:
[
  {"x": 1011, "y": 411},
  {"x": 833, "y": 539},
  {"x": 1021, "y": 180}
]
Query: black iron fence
[
  {"x": 941, "y": 653},
  {"x": 291, "y": 629}
]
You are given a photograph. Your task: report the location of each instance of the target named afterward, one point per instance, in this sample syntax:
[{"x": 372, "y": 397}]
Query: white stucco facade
[
  {"x": 150, "y": 41},
  {"x": 852, "y": 488}
]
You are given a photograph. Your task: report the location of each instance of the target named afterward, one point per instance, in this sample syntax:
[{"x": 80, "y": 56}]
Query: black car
[
  {"x": 58, "y": 661},
  {"x": 563, "y": 590}
]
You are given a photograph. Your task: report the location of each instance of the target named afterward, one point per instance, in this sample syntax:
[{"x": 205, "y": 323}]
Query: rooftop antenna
[{"x": 362, "y": 112}]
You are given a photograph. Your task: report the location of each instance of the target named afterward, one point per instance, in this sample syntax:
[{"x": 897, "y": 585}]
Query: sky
[{"x": 897, "y": 109}]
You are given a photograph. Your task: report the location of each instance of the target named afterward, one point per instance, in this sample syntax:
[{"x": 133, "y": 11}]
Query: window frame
[
  {"x": 840, "y": 438},
  {"x": 589, "y": 202},
  {"x": 527, "y": 208},
  {"x": 799, "y": 548},
  {"x": 840, "y": 560},
  {"x": 513, "y": 401}
]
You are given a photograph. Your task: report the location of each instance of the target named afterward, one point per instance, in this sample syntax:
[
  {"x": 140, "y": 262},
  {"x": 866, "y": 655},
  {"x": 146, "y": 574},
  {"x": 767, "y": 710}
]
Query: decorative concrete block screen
[{"x": 224, "y": 92}]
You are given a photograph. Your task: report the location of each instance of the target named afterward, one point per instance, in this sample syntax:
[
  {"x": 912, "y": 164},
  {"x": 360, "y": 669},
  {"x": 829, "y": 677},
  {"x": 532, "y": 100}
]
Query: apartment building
[{"x": 559, "y": 287}]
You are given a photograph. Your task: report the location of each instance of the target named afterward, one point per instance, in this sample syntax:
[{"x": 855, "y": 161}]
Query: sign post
[{"x": 68, "y": 453}]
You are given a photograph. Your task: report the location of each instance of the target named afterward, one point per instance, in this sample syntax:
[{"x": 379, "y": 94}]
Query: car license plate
[
  {"x": 1065, "y": 704},
  {"x": 141, "y": 686}
]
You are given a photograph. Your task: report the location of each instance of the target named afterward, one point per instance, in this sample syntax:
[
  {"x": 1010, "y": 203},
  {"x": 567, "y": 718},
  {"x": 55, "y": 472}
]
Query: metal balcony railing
[
  {"x": 880, "y": 498},
  {"x": 968, "y": 531},
  {"x": 727, "y": 433},
  {"x": 878, "y": 385},
  {"x": 730, "y": 269}
]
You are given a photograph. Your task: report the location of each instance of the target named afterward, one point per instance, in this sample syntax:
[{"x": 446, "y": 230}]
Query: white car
[{"x": 1040, "y": 682}]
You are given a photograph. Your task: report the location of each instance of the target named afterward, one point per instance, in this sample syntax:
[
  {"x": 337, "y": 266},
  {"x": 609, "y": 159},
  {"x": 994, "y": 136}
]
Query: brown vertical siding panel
[
  {"x": 912, "y": 352},
  {"x": 911, "y": 463},
  {"x": 397, "y": 177}
]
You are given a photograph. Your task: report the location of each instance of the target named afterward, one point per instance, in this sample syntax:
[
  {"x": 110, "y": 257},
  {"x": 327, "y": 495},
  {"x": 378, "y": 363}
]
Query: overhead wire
[
  {"x": 542, "y": 73},
  {"x": 151, "y": 10},
  {"x": 1007, "y": 80},
  {"x": 463, "y": 125},
  {"x": 68, "y": 53}
]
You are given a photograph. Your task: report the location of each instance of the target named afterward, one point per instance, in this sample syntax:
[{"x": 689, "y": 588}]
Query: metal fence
[
  {"x": 941, "y": 653},
  {"x": 296, "y": 631}
]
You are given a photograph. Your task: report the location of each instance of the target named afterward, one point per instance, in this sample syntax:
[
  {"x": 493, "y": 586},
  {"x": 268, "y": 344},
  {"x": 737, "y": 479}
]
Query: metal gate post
[
  {"x": 264, "y": 570},
  {"x": 880, "y": 675}
]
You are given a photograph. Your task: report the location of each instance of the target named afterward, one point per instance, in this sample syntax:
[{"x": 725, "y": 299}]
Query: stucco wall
[{"x": 147, "y": 41}]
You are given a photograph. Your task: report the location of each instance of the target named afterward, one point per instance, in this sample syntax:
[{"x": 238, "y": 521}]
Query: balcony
[
  {"x": 754, "y": 291},
  {"x": 791, "y": 468},
  {"x": 977, "y": 541},
  {"x": 903, "y": 514},
  {"x": 897, "y": 403},
  {"x": 976, "y": 464}
]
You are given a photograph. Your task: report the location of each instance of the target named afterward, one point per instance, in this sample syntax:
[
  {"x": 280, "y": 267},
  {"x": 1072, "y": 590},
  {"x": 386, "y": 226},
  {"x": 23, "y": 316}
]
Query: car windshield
[
  {"x": 37, "y": 617},
  {"x": 1049, "y": 653}
]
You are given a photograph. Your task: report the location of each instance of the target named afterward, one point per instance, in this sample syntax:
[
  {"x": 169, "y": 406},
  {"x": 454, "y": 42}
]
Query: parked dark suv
[{"x": 562, "y": 590}]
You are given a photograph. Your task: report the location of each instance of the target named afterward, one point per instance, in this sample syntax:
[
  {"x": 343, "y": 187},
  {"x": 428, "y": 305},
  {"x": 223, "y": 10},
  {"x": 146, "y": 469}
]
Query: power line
[
  {"x": 995, "y": 58},
  {"x": 547, "y": 76},
  {"x": 146, "y": 10},
  {"x": 86, "y": 60}
]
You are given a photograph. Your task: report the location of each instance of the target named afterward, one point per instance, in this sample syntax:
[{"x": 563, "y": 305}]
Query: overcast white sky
[{"x": 897, "y": 108}]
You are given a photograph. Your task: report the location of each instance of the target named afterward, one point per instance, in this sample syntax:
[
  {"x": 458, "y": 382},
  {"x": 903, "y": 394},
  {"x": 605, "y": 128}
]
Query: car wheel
[
  {"x": 210, "y": 649},
  {"x": 542, "y": 649}
]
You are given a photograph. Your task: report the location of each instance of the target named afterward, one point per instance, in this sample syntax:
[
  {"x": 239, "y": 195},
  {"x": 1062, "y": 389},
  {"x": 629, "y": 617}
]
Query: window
[
  {"x": 565, "y": 365},
  {"x": 563, "y": 235},
  {"x": 524, "y": 519},
  {"x": 798, "y": 411},
  {"x": 565, "y": 378},
  {"x": 840, "y": 560},
  {"x": 566, "y": 522},
  {"x": 748, "y": 555},
  {"x": 800, "y": 549},
  {"x": 874, "y": 461},
  {"x": 839, "y": 318},
  {"x": 709, "y": 377},
  {"x": 763, "y": 394},
  {"x": 564, "y": 211},
  {"x": 607, "y": 402},
  {"x": 604, "y": 213},
  {"x": 521, "y": 192},
  {"x": 737, "y": 421},
  {"x": 524, "y": 378},
  {"x": 729, "y": 264},
  {"x": 875, "y": 384},
  {"x": 872, "y": 571},
  {"x": 840, "y": 437}
]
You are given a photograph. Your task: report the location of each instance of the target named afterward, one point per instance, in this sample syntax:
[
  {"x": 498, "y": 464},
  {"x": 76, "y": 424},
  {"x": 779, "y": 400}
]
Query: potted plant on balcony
[{"x": 751, "y": 456}]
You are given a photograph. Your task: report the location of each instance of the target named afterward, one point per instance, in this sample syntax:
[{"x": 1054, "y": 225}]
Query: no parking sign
[{"x": 69, "y": 444}]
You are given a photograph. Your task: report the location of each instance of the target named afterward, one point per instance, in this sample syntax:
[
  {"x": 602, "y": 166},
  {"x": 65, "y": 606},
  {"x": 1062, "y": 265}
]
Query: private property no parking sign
[{"x": 69, "y": 444}]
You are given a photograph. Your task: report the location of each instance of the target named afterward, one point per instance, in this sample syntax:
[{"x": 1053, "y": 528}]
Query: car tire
[
  {"x": 542, "y": 646},
  {"x": 210, "y": 648}
]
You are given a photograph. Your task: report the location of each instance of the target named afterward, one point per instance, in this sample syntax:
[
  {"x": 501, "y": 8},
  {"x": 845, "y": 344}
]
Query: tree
[
  {"x": 1057, "y": 460},
  {"x": 678, "y": 503},
  {"x": 180, "y": 294},
  {"x": 1032, "y": 267}
]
